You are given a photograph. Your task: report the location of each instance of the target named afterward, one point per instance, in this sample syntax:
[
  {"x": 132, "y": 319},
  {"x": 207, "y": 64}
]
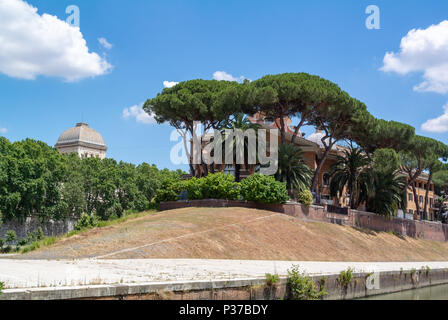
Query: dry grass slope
[{"x": 238, "y": 233}]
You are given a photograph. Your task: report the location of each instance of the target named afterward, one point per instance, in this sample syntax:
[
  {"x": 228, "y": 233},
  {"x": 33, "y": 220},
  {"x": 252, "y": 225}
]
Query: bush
[
  {"x": 86, "y": 221},
  {"x": 305, "y": 197},
  {"x": 220, "y": 186},
  {"x": 11, "y": 236},
  {"x": 302, "y": 287},
  {"x": 266, "y": 189},
  {"x": 271, "y": 279},
  {"x": 169, "y": 191},
  {"x": 194, "y": 188}
]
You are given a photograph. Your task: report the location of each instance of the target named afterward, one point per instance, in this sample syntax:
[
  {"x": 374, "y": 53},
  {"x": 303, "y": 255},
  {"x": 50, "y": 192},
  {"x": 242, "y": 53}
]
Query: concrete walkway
[{"x": 39, "y": 273}]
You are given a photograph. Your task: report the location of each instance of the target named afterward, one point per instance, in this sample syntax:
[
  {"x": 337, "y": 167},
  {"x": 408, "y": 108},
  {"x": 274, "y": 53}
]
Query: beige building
[{"x": 82, "y": 140}]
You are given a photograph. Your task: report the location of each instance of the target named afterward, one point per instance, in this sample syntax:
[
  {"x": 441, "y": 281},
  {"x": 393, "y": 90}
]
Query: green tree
[
  {"x": 292, "y": 169},
  {"x": 293, "y": 95},
  {"x": 351, "y": 170},
  {"x": 386, "y": 192},
  {"x": 371, "y": 134},
  {"x": 337, "y": 120},
  {"x": 413, "y": 163},
  {"x": 210, "y": 102},
  {"x": 239, "y": 122}
]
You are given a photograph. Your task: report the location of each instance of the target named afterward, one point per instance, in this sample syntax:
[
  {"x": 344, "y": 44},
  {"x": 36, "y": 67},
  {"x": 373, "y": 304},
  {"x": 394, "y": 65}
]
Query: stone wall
[
  {"x": 50, "y": 228},
  {"x": 363, "y": 285},
  {"x": 417, "y": 229}
]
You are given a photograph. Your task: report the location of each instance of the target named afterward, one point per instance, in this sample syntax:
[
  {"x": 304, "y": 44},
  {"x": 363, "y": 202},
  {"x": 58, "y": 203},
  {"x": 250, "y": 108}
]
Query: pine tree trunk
[
  {"x": 427, "y": 194},
  {"x": 416, "y": 199},
  {"x": 318, "y": 169}
]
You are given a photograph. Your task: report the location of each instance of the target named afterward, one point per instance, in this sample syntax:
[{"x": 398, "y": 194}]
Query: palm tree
[
  {"x": 386, "y": 192},
  {"x": 292, "y": 169},
  {"x": 351, "y": 170},
  {"x": 239, "y": 121}
]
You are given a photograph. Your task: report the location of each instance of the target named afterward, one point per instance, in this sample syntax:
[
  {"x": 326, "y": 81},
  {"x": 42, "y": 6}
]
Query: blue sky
[{"x": 157, "y": 41}]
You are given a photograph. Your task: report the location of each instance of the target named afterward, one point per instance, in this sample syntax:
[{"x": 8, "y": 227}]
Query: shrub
[
  {"x": 271, "y": 279},
  {"x": 2, "y": 286},
  {"x": 302, "y": 287},
  {"x": 194, "y": 187},
  {"x": 22, "y": 242},
  {"x": 86, "y": 221},
  {"x": 266, "y": 189},
  {"x": 346, "y": 277},
  {"x": 11, "y": 236},
  {"x": 169, "y": 191},
  {"x": 305, "y": 197},
  {"x": 220, "y": 186}
]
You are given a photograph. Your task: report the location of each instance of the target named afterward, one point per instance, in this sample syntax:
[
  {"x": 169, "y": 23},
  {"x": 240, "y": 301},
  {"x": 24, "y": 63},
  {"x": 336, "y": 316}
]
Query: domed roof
[{"x": 82, "y": 133}]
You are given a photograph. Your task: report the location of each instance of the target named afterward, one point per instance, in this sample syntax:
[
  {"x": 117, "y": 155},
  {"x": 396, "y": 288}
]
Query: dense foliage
[
  {"x": 266, "y": 189},
  {"x": 305, "y": 197},
  {"x": 35, "y": 180},
  {"x": 292, "y": 169}
]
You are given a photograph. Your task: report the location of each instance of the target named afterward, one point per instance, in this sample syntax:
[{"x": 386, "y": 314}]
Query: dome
[{"x": 81, "y": 134}]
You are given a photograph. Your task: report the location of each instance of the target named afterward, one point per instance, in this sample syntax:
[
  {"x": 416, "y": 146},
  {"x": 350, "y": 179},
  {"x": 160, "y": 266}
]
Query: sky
[{"x": 54, "y": 74}]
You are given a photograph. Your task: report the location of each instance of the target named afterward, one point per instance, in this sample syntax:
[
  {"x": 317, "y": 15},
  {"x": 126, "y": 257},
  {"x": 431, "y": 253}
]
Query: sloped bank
[{"x": 426, "y": 230}]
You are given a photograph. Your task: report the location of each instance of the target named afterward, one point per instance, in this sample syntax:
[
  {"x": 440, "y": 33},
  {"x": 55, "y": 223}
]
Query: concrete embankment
[{"x": 209, "y": 282}]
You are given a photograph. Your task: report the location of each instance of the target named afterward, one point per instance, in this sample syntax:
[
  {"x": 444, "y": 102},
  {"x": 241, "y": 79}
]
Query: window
[
  {"x": 420, "y": 199},
  {"x": 430, "y": 202},
  {"x": 326, "y": 179},
  {"x": 410, "y": 198}
]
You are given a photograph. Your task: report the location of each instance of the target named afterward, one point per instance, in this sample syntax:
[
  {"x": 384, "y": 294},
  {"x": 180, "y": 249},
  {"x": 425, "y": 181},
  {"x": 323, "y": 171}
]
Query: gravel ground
[{"x": 43, "y": 273}]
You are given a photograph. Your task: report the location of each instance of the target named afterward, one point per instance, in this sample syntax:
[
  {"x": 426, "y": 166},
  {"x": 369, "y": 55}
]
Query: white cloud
[
  {"x": 139, "y": 114},
  {"x": 439, "y": 124},
  {"x": 224, "y": 76},
  {"x": 423, "y": 50},
  {"x": 33, "y": 45},
  {"x": 169, "y": 84},
  {"x": 3, "y": 130},
  {"x": 105, "y": 43}
]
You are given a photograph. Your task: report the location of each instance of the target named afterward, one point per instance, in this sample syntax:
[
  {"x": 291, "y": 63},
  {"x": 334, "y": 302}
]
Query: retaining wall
[
  {"x": 50, "y": 228},
  {"x": 417, "y": 229},
  {"x": 362, "y": 285}
]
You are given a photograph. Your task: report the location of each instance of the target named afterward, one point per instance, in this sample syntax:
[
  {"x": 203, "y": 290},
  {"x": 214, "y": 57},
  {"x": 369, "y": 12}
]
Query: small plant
[
  {"x": 322, "y": 283},
  {"x": 85, "y": 222},
  {"x": 302, "y": 287},
  {"x": 271, "y": 279},
  {"x": 11, "y": 236},
  {"x": 346, "y": 277},
  {"x": 2, "y": 286},
  {"x": 305, "y": 197}
]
